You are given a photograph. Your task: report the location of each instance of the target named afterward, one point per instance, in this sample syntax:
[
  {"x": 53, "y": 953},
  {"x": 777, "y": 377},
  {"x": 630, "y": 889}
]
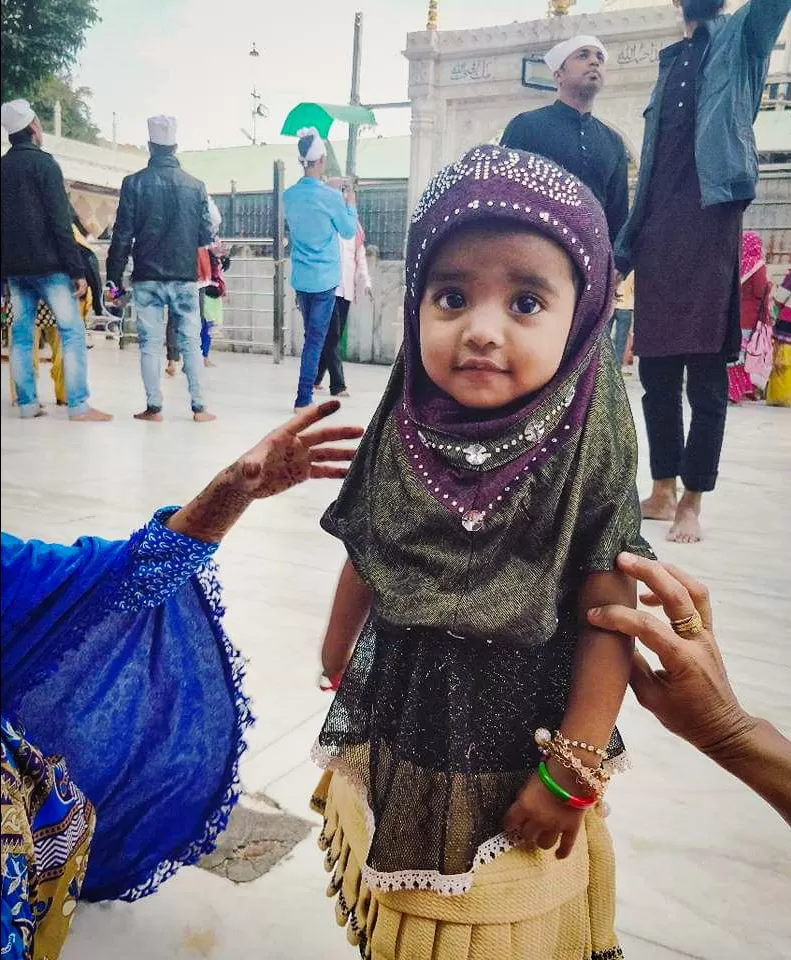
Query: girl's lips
[{"x": 480, "y": 366}]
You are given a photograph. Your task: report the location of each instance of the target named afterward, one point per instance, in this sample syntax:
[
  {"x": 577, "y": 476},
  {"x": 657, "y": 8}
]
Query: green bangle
[
  {"x": 579, "y": 803},
  {"x": 551, "y": 784}
]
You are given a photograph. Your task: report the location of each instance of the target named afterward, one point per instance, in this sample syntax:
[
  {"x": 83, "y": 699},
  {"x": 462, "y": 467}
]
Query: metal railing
[{"x": 249, "y": 306}]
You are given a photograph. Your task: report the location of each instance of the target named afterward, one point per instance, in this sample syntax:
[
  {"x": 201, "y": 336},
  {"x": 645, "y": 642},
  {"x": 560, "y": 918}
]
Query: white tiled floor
[{"x": 703, "y": 865}]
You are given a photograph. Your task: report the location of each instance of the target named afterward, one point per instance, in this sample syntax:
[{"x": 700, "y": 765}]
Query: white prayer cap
[
  {"x": 557, "y": 56},
  {"x": 162, "y": 131},
  {"x": 316, "y": 150},
  {"x": 16, "y": 115}
]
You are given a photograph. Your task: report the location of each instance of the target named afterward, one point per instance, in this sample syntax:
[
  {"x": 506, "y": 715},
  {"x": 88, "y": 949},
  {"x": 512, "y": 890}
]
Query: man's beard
[{"x": 701, "y": 9}]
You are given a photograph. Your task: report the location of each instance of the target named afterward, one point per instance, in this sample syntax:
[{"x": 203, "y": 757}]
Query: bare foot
[
  {"x": 170, "y": 369},
  {"x": 686, "y": 524},
  {"x": 203, "y": 416},
  {"x": 659, "y": 506},
  {"x": 343, "y": 393},
  {"x": 91, "y": 416},
  {"x": 208, "y": 363},
  {"x": 150, "y": 416}
]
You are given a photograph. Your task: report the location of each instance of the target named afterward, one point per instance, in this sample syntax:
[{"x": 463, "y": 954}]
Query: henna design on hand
[{"x": 287, "y": 456}]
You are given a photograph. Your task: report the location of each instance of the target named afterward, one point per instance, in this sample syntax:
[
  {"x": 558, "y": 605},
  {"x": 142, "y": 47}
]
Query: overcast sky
[{"x": 190, "y": 58}]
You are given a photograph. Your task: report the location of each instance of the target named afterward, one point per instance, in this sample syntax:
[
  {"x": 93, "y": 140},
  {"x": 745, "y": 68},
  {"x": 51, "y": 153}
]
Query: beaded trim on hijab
[{"x": 529, "y": 171}]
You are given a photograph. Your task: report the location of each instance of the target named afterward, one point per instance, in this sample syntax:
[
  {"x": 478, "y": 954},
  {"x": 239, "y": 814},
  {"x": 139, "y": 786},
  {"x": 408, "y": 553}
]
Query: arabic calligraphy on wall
[
  {"x": 467, "y": 70},
  {"x": 637, "y": 53}
]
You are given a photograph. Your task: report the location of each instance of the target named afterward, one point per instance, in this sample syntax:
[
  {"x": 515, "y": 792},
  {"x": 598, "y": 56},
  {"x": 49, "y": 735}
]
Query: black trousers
[
  {"x": 331, "y": 354},
  {"x": 697, "y": 460}
]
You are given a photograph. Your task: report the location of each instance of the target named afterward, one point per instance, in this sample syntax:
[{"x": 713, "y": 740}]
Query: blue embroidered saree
[{"x": 114, "y": 658}]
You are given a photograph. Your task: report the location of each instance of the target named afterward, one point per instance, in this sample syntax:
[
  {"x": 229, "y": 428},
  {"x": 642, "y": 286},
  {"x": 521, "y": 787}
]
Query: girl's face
[{"x": 495, "y": 315}]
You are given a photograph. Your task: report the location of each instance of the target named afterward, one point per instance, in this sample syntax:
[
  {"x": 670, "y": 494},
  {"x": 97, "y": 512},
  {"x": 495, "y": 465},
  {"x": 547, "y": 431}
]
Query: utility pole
[{"x": 354, "y": 97}]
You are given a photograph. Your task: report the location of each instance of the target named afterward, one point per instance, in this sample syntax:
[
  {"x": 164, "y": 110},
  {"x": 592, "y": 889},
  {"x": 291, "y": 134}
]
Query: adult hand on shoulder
[
  {"x": 80, "y": 287},
  {"x": 691, "y": 696}
]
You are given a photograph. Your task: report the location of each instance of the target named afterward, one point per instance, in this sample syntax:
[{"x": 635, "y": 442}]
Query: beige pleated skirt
[{"x": 522, "y": 906}]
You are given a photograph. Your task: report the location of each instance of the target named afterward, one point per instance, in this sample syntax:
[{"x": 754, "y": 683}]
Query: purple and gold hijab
[{"x": 481, "y": 523}]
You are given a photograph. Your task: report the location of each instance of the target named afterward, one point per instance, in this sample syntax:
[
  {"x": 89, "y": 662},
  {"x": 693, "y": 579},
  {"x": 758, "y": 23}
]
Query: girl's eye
[
  {"x": 452, "y": 300},
  {"x": 526, "y": 305}
]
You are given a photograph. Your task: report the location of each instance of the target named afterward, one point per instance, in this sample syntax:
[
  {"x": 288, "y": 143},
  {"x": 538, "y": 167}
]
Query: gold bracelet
[
  {"x": 595, "y": 778},
  {"x": 558, "y": 747},
  {"x": 581, "y": 745},
  {"x": 543, "y": 736}
]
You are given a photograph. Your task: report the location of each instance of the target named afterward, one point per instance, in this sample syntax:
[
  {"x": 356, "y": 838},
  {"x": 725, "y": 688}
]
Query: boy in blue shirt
[{"x": 316, "y": 216}]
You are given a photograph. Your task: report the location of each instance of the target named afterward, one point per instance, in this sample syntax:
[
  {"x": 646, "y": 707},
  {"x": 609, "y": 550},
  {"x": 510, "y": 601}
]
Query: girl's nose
[{"x": 484, "y": 328}]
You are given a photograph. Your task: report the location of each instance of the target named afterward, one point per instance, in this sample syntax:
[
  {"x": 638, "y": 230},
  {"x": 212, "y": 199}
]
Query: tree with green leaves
[
  {"x": 40, "y": 39},
  {"x": 77, "y": 123}
]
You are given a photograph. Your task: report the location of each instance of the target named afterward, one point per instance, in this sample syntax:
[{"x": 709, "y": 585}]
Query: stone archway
[{"x": 466, "y": 85}]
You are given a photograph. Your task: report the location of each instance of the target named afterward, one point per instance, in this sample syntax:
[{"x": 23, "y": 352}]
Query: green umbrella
[{"x": 322, "y": 115}]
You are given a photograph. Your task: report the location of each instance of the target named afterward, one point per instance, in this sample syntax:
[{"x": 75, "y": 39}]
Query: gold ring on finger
[{"x": 688, "y": 626}]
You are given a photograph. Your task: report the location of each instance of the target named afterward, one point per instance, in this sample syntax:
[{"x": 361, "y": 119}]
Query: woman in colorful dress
[
  {"x": 755, "y": 297},
  {"x": 114, "y": 657}
]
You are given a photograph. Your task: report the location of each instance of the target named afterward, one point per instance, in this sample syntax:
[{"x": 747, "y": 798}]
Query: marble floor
[{"x": 704, "y": 866}]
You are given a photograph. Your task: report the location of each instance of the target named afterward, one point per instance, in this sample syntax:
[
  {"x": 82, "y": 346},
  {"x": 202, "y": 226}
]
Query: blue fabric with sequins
[{"x": 114, "y": 657}]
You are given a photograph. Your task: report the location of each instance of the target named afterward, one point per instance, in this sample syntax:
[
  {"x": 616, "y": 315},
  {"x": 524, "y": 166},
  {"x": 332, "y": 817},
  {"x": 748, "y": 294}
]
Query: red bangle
[
  {"x": 578, "y": 803},
  {"x": 329, "y": 684}
]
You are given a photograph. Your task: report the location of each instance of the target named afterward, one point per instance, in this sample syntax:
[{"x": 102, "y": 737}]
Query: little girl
[{"x": 482, "y": 518}]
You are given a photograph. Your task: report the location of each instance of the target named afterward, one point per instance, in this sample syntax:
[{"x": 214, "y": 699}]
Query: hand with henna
[{"x": 286, "y": 457}]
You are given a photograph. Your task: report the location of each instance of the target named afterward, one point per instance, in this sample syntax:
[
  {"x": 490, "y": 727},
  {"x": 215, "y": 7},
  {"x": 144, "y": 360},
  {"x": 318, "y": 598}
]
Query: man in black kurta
[
  {"x": 697, "y": 174},
  {"x": 567, "y": 133}
]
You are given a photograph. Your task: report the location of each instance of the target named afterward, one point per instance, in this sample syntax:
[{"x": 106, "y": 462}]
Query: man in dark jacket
[
  {"x": 698, "y": 172},
  {"x": 41, "y": 261},
  {"x": 162, "y": 220},
  {"x": 567, "y": 133}
]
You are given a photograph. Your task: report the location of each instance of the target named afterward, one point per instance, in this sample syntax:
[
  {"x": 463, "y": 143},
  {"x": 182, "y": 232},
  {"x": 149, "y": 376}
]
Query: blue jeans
[
  {"x": 620, "y": 325},
  {"x": 57, "y": 291},
  {"x": 181, "y": 299},
  {"x": 316, "y": 315}
]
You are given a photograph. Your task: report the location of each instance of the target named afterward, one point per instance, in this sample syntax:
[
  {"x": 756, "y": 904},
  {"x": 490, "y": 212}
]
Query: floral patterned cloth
[{"x": 47, "y": 825}]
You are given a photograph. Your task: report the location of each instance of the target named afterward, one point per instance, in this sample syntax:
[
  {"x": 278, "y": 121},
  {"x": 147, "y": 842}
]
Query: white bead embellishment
[
  {"x": 535, "y": 173},
  {"x": 476, "y": 454},
  {"x": 472, "y": 520}
]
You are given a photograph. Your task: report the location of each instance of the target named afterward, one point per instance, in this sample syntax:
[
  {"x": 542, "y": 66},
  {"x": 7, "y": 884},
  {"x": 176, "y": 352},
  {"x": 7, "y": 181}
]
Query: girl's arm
[
  {"x": 350, "y": 610},
  {"x": 601, "y": 671},
  {"x": 602, "y": 666}
]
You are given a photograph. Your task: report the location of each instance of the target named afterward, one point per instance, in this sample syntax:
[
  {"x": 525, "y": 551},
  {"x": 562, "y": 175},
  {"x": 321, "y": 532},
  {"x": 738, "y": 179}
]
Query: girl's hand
[
  {"x": 335, "y": 653},
  {"x": 541, "y": 819}
]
